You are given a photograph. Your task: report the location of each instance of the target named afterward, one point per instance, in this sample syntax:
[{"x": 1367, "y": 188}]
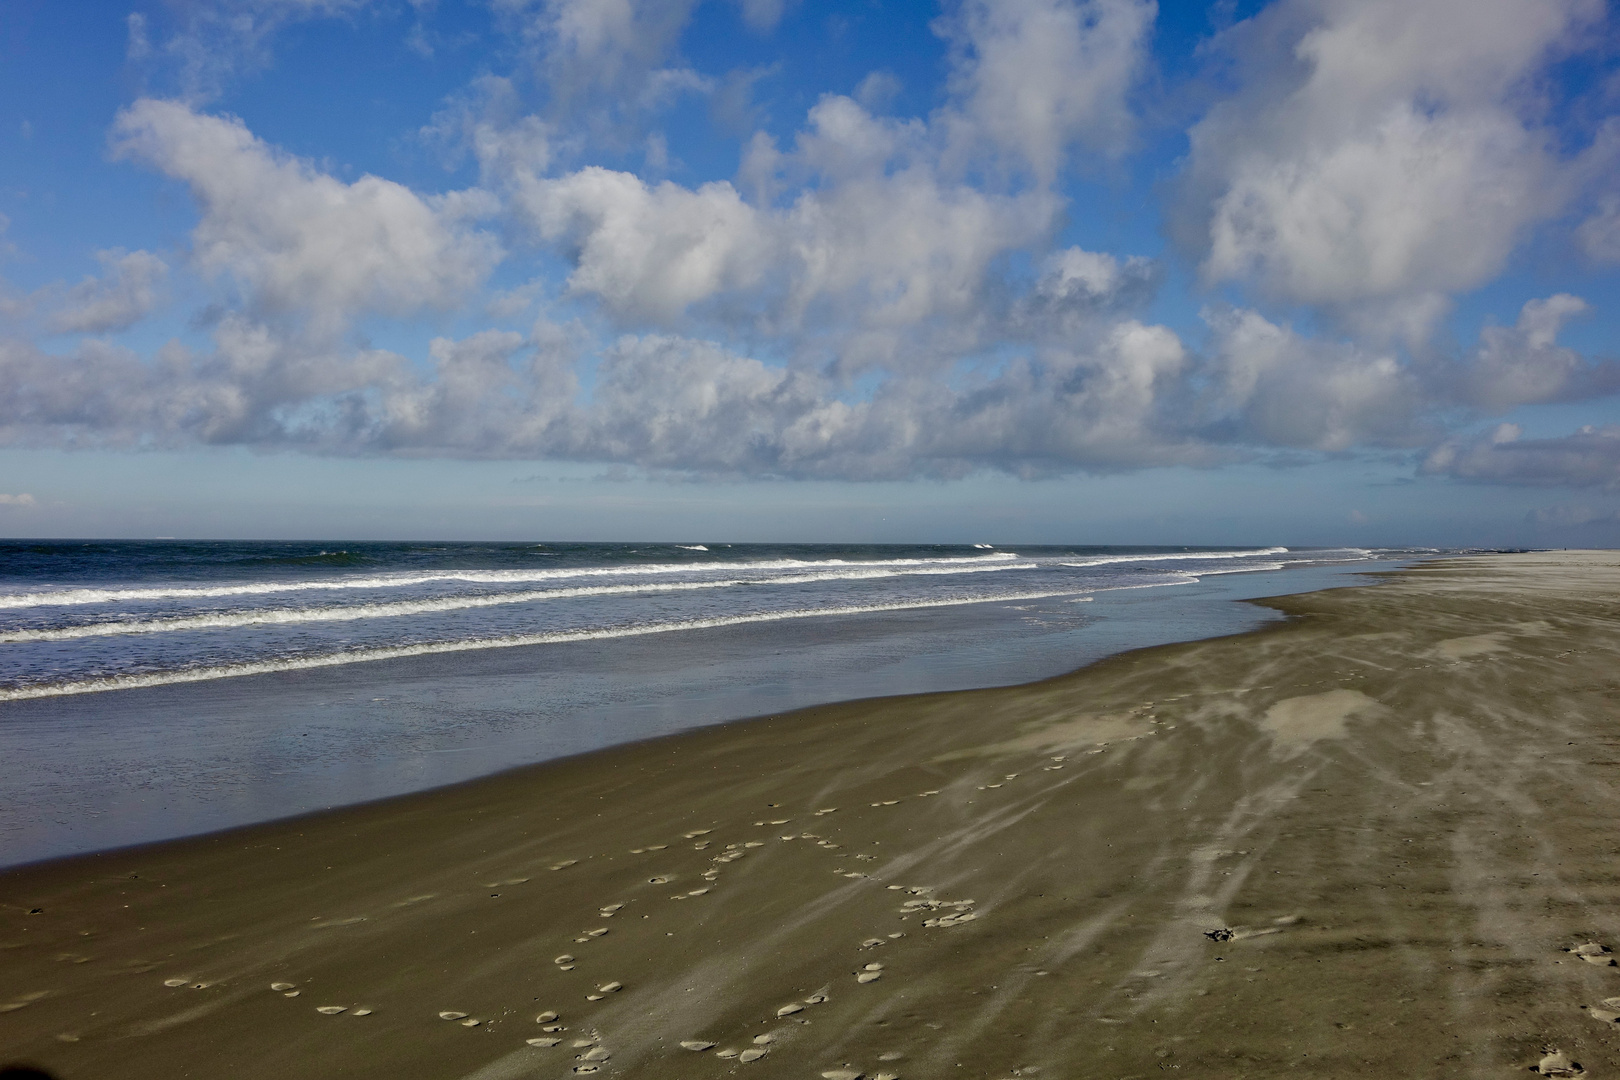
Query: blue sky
[{"x": 1102, "y": 271}]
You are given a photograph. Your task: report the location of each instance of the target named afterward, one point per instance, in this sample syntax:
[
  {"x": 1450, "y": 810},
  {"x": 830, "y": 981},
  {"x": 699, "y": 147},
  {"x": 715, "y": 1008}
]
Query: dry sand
[{"x": 1363, "y": 841}]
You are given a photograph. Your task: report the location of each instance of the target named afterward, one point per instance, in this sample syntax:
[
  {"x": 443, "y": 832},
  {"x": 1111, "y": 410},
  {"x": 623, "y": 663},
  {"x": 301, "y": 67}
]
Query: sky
[{"x": 1026, "y": 271}]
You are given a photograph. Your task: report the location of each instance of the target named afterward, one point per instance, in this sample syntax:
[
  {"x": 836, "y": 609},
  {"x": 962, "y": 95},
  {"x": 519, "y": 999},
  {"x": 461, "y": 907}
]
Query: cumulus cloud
[
  {"x": 1599, "y": 234},
  {"x": 1273, "y": 387},
  {"x": 1033, "y": 77},
  {"x": 130, "y": 287},
  {"x": 1524, "y": 364},
  {"x": 297, "y": 240},
  {"x": 23, "y": 499},
  {"x": 1588, "y": 458},
  {"x": 605, "y": 62},
  {"x": 1381, "y": 156}
]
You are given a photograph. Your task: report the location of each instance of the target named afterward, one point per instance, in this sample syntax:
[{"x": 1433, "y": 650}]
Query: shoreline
[
  {"x": 199, "y": 757},
  {"x": 1351, "y": 840}
]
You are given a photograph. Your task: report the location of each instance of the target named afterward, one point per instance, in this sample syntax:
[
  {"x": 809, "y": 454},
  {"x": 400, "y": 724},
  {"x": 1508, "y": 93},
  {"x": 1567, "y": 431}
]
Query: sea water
[{"x": 157, "y": 689}]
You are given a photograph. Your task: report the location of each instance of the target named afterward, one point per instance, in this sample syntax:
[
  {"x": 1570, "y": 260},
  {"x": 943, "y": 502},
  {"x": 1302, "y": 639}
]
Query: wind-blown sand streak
[{"x": 1375, "y": 839}]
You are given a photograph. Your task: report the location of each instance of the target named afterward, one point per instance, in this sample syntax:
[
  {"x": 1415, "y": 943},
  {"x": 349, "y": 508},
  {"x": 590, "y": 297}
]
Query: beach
[{"x": 1374, "y": 837}]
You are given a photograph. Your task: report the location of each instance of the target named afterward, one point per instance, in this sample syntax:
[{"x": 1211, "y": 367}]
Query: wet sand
[{"x": 1378, "y": 838}]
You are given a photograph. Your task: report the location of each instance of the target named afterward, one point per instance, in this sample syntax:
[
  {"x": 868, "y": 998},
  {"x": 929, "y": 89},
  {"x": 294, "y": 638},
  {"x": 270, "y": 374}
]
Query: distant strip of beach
[{"x": 1373, "y": 838}]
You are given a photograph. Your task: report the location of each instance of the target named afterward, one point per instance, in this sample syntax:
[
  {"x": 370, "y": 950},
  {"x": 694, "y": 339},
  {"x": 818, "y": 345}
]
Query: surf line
[
  {"x": 350, "y": 612},
  {"x": 558, "y": 637}
]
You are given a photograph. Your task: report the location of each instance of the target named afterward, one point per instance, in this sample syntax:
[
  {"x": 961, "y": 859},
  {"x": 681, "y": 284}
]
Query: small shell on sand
[
  {"x": 815, "y": 999},
  {"x": 172, "y": 983},
  {"x": 661, "y": 879},
  {"x": 872, "y": 941},
  {"x": 292, "y": 993},
  {"x": 471, "y": 1023},
  {"x": 281, "y": 986},
  {"x": 598, "y": 932},
  {"x": 361, "y": 1012},
  {"x": 331, "y": 1010},
  {"x": 610, "y": 988},
  {"x": 547, "y": 1017},
  {"x": 546, "y": 1041},
  {"x": 789, "y": 1010},
  {"x": 874, "y": 967},
  {"x": 841, "y": 1074},
  {"x": 764, "y": 1040},
  {"x": 698, "y": 892},
  {"x": 611, "y": 908},
  {"x": 593, "y": 997},
  {"x": 869, "y": 976},
  {"x": 753, "y": 1053},
  {"x": 451, "y": 1015},
  {"x": 696, "y": 1044},
  {"x": 696, "y": 833},
  {"x": 598, "y": 1054},
  {"x": 885, "y": 1076},
  {"x": 587, "y": 1068},
  {"x": 564, "y": 864},
  {"x": 727, "y": 1053},
  {"x": 565, "y": 958}
]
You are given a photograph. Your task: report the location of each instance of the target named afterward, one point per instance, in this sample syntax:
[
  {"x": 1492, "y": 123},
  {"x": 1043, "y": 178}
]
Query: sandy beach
[{"x": 1376, "y": 838}]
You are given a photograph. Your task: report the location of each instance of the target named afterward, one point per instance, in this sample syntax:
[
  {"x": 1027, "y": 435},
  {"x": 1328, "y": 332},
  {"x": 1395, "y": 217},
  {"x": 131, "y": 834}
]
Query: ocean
[{"x": 163, "y": 688}]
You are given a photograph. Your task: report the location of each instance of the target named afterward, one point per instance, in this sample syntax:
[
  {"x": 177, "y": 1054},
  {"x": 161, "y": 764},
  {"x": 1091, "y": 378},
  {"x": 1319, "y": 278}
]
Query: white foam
[
  {"x": 691, "y": 547},
  {"x": 357, "y": 656},
  {"x": 73, "y": 597},
  {"x": 396, "y": 608},
  {"x": 1177, "y": 556}
]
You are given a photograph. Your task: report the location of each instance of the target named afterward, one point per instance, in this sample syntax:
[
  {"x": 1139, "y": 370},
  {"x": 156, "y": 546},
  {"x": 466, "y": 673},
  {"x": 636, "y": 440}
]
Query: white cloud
[
  {"x": 1033, "y": 77},
  {"x": 24, "y": 499},
  {"x": 604, "y": 60},
  {"x": 301, "y": 242},
  {"x": 214, "y": 41},
  {"x": 1599, "y": 234},
  {"x": 1382, "y": 154},
  {"x": 1588, "y": 458},
  {"x": 1524, "y": 364},
  {"x": 130, "y": 287},
  {"x": 1272, "y": 387}
]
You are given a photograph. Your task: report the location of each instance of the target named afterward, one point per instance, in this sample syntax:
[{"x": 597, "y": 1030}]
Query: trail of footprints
[
  {"x": 592, "y": 1054},
  {"x": 1555, "y": 1062}
]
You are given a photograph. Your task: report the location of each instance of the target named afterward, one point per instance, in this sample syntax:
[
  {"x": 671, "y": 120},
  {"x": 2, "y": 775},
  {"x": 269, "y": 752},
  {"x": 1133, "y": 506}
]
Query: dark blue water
[{"x": 157, "y": 689}]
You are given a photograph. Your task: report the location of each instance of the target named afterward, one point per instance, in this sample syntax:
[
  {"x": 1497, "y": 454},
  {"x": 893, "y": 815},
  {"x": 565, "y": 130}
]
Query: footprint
[
  {"x": 1557, "y": 1063},
  {"x": 1593, "y": 953}
]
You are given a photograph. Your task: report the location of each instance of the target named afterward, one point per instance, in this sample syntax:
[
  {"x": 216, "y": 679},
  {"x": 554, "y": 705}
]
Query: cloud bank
[{"x": 870, "y": 296}]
